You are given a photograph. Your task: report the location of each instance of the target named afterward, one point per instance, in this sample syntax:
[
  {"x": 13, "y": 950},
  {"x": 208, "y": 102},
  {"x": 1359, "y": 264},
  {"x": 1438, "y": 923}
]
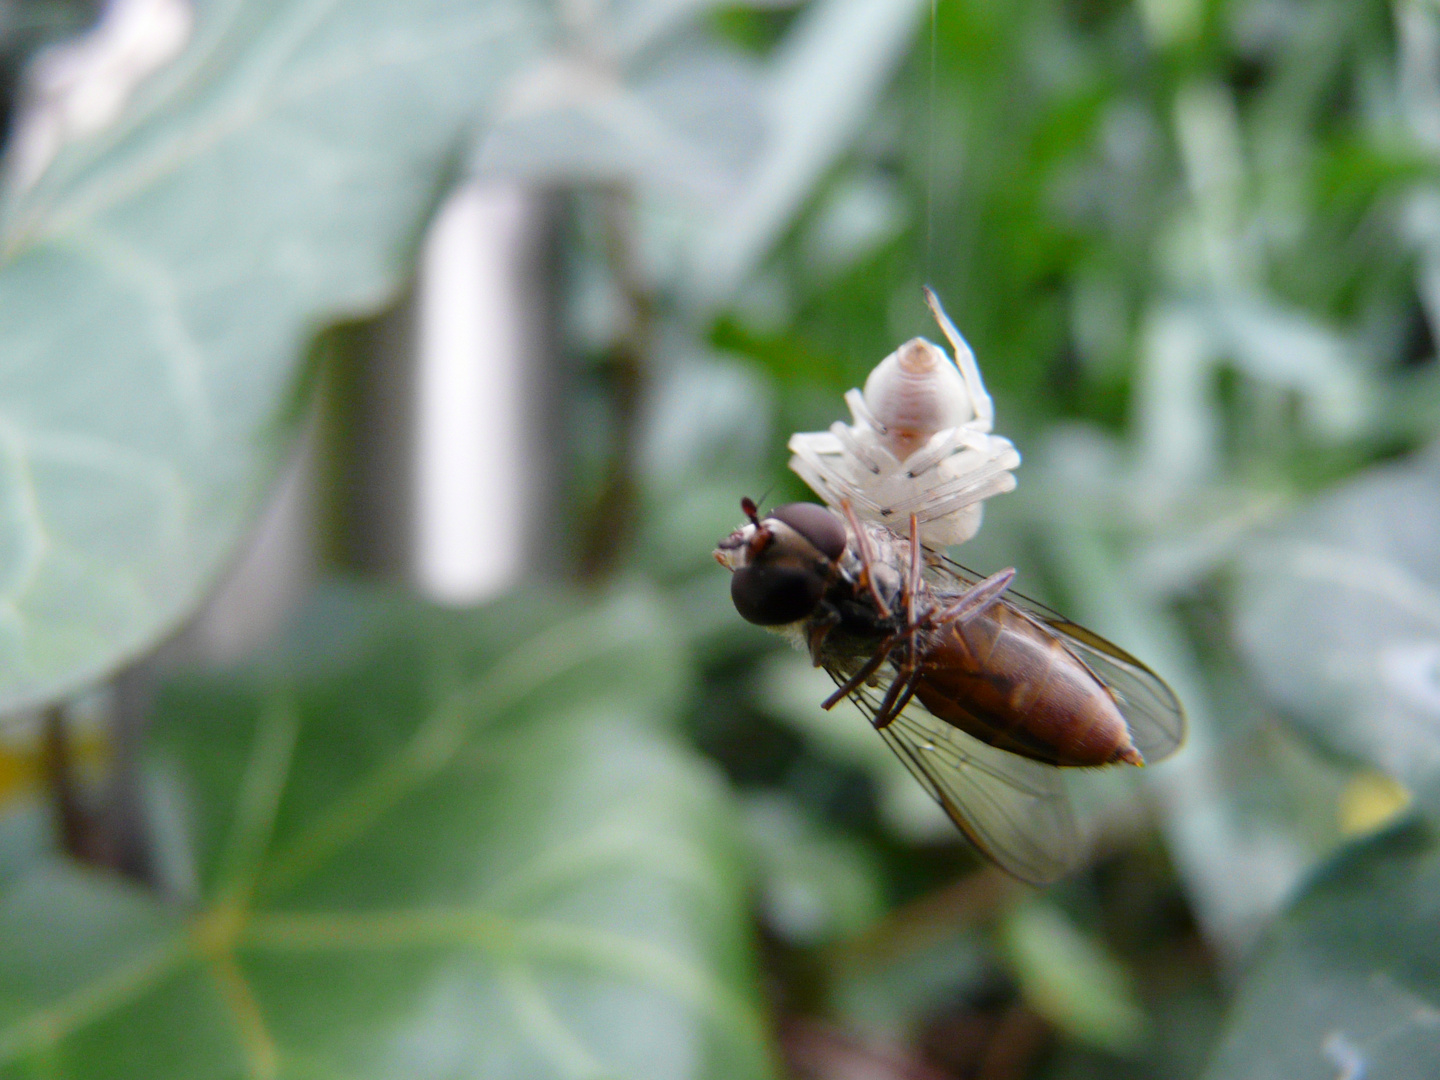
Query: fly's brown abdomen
[{"x": 1005, "y": 679}]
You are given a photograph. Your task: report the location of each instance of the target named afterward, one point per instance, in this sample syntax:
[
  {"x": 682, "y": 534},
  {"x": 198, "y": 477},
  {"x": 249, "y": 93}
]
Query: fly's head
[{"x": 782, "y": 563}]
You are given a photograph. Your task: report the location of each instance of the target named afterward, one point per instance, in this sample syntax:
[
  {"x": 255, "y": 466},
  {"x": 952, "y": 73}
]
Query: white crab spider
[{"x": 920, "y": 443}]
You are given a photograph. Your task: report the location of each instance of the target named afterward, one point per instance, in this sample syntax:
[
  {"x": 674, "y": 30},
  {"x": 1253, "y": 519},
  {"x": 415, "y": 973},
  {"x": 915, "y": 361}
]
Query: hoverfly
[{"x": 982, "y": 699}]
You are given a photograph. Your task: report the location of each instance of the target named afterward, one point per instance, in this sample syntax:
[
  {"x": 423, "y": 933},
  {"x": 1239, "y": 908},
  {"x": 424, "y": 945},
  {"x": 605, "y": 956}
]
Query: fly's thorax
[
  {"x": 861, "y": 625},
  {"x": 889, "y": 559}
]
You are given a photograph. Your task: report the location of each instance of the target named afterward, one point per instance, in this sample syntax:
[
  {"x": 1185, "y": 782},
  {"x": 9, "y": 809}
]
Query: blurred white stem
[
  {"x": 477, "y": 457},
  {"x": 271, "y": 572}
]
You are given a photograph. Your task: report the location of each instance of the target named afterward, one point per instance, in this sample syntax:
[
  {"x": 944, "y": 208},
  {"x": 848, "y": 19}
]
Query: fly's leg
[
  {"x": 912, "y": 580},
  {"x": 850, "y": 685},
  {"x": 912, "y": 590},
  {"x": 867, "y": 559},
  {"x": 904, "y": 699},
  {"x": 822, "y": 622},
  {"x": 976, "y": 600},
  {"x": 882, "y": 653},
  {"x": 896, "y": 698},
  {"x": 903, "y": 688}
]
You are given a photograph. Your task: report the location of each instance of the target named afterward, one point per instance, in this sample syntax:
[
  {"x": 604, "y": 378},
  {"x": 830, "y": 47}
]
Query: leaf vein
[
  {"x": 549, "y": 1033},
  {"x": 155, "y": 284},
  {"x": 124, "y": 984},
  {"x": 440, "y": 736},
  {"x": 533, "y": 940},
  {"x": 262, "y": 1058},
  {"x": 258, "y": 800}
]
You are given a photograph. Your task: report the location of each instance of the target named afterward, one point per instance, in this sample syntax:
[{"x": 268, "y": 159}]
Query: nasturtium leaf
[
  {"x": 1349, "y": 983},
  {"x": 1340, "y": 618},
  {"x": 430, "y": 845},
  {"x": 158, "y": 284}
]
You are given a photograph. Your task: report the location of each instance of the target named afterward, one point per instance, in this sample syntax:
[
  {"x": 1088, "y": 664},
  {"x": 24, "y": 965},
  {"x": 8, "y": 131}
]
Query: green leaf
[
  {"x": 160, "y": 281},
  {"x": 426, "y": 844},
  {"x": 816, "y": 884},
  {"x": 1349, "y": 983},
  {"x": 886, "y": 993},
  {"x": 1339, "y": 614},
  {"x": 681, "y": 124},
  {"x": 1071, "y": 979},
  {"x": 823, "y": 84}
]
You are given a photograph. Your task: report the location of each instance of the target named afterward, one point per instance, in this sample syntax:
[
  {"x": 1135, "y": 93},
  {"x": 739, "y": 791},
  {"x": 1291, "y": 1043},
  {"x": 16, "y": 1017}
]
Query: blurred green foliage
[
  {"x": 1195, "y": 245},
  {"x": 420, "y": 844},
  {"x": 158, "y": 287}
]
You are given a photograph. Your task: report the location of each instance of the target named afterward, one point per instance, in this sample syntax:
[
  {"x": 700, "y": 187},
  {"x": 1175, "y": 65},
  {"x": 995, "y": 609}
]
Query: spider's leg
[
  {"x": 867, "y": 559},
  {"x": 965, "y": 361},
  {"x": 874, "y": 462},
  {"x": 940, "y": 446}
]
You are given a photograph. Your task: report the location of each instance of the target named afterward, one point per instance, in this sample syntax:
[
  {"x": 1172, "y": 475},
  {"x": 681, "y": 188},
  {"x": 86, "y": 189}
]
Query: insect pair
[
  {"x": 984, "y": 696},
  {"x": 984, "y": 700}
]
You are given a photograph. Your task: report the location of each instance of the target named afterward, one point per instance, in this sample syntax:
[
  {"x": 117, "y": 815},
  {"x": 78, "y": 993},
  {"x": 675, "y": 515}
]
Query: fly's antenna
[
  {"x": 764, "y": 495},
  {"x": 760, "y": 538}
]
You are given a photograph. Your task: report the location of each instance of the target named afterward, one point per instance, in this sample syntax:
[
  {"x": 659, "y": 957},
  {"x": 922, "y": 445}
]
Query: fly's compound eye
[
  {"x": 816, "y": 524},
  {"x": 776, "y": 592},
  {"x": 789, "y": 571}
]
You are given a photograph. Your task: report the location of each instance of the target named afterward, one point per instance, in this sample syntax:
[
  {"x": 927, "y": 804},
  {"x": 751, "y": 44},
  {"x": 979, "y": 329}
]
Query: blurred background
[{"x": 376, "y": 379}]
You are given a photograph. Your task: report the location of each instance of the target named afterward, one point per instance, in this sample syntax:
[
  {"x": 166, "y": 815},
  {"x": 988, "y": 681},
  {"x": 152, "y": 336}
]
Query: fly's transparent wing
[
  {"x": 1013, "y": 809},
  {"x": 1151, "y": 710}
]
